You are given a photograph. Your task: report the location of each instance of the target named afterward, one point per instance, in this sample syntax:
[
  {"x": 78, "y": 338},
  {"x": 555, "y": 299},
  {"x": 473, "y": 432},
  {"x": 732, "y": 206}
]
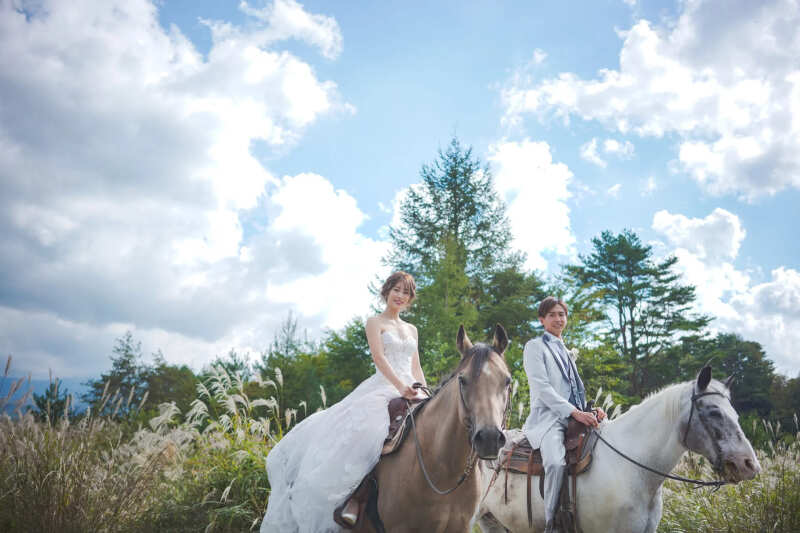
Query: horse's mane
[
  {"x": 479, "y": 355},
  {"x": 671, "y": 396}
]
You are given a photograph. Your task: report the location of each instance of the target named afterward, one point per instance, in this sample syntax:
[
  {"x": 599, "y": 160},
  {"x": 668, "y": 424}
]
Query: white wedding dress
[{"x": 323, "y": 458}]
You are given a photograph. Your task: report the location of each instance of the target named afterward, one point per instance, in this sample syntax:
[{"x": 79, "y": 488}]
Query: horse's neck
[
  {"x": 443, "y": 434},
  {"x": 650, "y": 434}
]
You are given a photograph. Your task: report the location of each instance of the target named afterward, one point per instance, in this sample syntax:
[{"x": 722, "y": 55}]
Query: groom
[{"x": 557, "y": 393}]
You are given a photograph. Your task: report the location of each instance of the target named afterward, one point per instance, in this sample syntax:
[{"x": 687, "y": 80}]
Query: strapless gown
[{"x": 320, "y": 461}]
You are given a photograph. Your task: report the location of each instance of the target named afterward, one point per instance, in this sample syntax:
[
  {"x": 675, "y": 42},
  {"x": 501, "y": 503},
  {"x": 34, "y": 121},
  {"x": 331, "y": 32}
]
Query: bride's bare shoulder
[{"x": 375, "y": 323}]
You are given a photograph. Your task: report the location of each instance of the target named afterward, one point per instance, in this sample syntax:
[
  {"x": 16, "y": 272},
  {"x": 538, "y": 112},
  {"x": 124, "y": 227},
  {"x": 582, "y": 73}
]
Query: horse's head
[
  {"x": 484, "y": 385},
  {"x": 711, "y": 427}
]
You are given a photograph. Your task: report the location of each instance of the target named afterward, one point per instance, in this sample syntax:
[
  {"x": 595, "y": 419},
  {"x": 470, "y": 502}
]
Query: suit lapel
[{"x": 557, "y": 358}]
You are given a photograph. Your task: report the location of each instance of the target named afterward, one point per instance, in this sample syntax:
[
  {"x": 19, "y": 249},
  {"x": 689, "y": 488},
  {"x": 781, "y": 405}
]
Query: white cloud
[
  {"x": 330, "y": 218},
  {"x": 536, "y": 191},
  {"x": 613, "y": 191},
  {"x": 768, "y": 312},
  {"x": 713, "y": 239},
  {"x": 129, "y": 195},
  {"x": 285, "y": 19},
  {"x": 589, "y": 153},
  {"x": 728, "y": 87},
  {"x": 539, "y": 56},
  {"x": 623, "y": 150}
]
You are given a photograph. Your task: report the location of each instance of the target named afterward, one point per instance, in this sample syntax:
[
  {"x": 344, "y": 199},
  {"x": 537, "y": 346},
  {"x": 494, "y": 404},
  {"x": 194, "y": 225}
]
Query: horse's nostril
[
  {"x": 749, "y": 464},
  {"x": 502, "y": 440}
]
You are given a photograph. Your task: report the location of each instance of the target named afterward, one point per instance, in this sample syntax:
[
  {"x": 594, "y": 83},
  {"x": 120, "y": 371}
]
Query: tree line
[{"x": 632, "y": 318}]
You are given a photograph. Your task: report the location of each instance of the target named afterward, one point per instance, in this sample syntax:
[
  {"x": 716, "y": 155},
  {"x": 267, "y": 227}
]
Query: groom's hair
[{"x": 549, "y": 303}]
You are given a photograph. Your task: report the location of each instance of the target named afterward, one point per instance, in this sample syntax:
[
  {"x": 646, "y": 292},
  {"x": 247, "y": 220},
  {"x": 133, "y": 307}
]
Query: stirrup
[
  {"x": 350, "y": 518},
  {"x": 345, "y": 519}
]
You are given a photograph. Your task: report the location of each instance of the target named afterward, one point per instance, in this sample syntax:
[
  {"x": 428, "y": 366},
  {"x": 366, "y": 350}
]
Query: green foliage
[
  {"x": 233, "y": 363},
  {"x": 785, "y": 398},
  {"x": 170, "y": 383},
  {"x": 53, "y": 404},
  {"x": 222, "y": 485},
  {"x": 645, "y": 305},
  {"x": 349, "y": 360},
  {"x": 126, "y": 379},
  {"x": 510, "y": 297},
  {"x": 729, "y": 355},
  {"x": 456, "y": 204}
]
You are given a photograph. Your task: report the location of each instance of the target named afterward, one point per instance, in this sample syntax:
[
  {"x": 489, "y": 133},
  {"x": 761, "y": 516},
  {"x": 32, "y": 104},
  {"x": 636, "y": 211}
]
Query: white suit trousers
[{"x": 555, "y": 465}]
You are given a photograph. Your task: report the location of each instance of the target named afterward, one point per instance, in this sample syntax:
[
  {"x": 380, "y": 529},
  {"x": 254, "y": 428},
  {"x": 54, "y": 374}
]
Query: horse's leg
[
  {"x": 655, "y": 513},
  {"x": 489, "y": 524}
]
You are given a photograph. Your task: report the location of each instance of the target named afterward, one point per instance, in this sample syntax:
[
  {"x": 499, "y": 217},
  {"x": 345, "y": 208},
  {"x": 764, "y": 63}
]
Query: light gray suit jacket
[{"x": 549, "y": 386}]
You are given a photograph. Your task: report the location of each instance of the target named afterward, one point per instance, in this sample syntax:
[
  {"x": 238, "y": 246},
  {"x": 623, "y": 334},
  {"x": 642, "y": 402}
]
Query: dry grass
[
  {"x": 200, "y": 472},
  {"x": 73, "y": 475},
  {"x": 768, "y": 503},
  {"x": 204, "y": 470}
]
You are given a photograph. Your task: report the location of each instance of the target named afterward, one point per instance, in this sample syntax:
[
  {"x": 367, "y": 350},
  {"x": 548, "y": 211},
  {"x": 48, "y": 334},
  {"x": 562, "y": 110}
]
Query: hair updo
[{"x": 407, "y": 281}]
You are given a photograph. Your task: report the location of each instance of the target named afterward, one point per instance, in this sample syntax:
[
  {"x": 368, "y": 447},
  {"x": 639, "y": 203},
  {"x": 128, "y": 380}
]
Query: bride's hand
[{"x": 408, "y": 392}]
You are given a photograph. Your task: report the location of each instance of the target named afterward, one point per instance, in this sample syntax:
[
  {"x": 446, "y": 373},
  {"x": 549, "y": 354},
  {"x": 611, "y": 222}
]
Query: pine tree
[
  {"x": 645, "y": 305},
  {"x": 454, "y": 238},
  {"x": 125, "y": 383},
  {"x": 454, "y": 210}
]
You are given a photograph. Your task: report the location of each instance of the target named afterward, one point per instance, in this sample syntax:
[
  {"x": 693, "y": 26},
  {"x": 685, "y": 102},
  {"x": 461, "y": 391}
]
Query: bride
[{"x": 321, "y": 461}]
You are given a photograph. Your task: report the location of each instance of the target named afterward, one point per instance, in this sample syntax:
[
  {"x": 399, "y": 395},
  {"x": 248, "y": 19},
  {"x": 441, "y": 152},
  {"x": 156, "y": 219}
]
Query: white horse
[{"x": 617, "y": 495}]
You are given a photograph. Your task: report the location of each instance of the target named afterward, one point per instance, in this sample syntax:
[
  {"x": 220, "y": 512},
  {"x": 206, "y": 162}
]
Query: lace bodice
[{"x": 399, "y": 351}]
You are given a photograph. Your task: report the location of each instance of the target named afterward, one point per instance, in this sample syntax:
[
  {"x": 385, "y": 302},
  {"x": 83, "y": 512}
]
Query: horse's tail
[{"x": 372, "y": 506}]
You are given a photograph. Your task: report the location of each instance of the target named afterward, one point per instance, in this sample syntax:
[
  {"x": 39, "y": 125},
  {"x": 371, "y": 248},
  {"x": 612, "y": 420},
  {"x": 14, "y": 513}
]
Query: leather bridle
[
  {"x": 717, "y": 449},
  {"x": 469, "y": 425}
]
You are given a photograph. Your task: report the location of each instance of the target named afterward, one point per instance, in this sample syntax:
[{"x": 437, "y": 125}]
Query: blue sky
[{"x": 193, "y": 171}]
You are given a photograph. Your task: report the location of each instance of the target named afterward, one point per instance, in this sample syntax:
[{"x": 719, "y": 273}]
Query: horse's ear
[
  {"x": 500, "y": 340},
  {"x": 463, "y": 342},
  {"x": 704, "y": 378},
  {"x": 728, "y": 382}
]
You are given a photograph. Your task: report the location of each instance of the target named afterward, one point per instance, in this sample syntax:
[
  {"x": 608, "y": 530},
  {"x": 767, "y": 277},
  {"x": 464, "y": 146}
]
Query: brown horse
[{"x": 462, "y": 422}]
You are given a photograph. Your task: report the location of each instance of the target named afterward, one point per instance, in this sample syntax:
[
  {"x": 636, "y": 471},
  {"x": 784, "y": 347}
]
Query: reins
[
  {"x": 700, "y": 483},
  {"x": 473, "y": 455},
  {"x": 717, "y": 484}
]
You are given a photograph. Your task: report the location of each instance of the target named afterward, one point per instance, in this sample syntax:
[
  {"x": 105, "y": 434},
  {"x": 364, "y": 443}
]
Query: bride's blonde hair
[{"x": 400, "y": 277}]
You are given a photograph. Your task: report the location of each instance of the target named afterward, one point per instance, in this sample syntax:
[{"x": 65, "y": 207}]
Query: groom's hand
[
  {"x": 600, "y": 414},
  {"x": 587, "y": 419}
]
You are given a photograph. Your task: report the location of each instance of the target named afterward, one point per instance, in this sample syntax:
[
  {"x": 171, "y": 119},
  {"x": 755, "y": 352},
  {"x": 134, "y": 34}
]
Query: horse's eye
[
  {"x": 715, "y": 413},
  {"x": 508, "y": 381}
]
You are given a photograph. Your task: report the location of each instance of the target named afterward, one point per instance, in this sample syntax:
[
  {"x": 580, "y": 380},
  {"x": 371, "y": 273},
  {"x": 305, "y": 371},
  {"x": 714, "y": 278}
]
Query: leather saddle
[
  {"x": 521, "y": 458},
  {"x": 399, "y": 411}
]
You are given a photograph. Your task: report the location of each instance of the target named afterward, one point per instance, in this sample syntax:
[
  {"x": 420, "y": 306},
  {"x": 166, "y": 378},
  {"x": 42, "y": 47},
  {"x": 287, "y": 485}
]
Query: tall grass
[
  {"x": 768, "y": 503},
  {"x": 202, "y": 471},
  {"x": 73, "y": 475}
]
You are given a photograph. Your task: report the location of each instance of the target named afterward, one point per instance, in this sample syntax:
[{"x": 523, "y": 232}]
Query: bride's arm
[
  {"x": 376, "y": 349},
  {"x": 416, "y": 367}
]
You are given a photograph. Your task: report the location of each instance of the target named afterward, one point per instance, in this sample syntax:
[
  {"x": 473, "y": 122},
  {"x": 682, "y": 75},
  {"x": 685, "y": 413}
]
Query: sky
[{"x": 193, "y": 171}]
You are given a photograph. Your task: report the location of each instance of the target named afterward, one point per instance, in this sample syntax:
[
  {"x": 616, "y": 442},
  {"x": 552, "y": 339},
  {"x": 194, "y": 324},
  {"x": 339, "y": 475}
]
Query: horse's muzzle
[
  {"x": 488, "y": 442},
  {"x": 740, "y": 467}
]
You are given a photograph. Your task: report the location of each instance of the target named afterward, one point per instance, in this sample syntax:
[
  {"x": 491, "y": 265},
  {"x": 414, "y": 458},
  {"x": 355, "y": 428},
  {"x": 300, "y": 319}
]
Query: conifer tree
[{"x": 646, "y": 307}]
